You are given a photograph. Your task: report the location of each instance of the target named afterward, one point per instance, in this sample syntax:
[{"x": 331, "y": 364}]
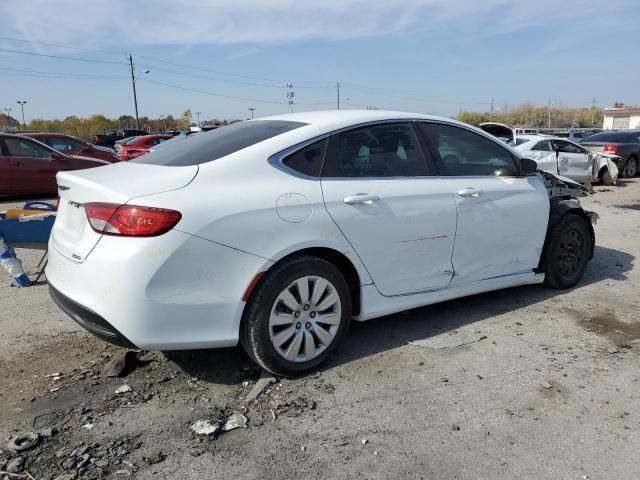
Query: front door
[
  {"x": 574, "y": 162},
  {"x": 399, "y": 221},
  {"x": 502, "y": 217}
]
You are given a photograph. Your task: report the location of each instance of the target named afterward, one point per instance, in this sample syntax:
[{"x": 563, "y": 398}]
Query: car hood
[{"x": 499, "y": 130}]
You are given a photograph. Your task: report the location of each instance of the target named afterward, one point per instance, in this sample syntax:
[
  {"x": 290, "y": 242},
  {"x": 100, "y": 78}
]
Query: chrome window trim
[{"x": 276, "y": 160}]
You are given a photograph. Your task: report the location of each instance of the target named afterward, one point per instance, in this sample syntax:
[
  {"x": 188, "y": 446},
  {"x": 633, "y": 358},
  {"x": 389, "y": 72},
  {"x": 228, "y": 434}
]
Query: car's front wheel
[
  {"x": 296, "y": 316},
  {"x": 567, "y": 252}
]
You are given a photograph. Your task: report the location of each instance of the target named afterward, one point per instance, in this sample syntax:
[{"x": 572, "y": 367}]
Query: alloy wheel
[
  {"x": 631, "y": 168},
  {"x": 305, "y": 318}
]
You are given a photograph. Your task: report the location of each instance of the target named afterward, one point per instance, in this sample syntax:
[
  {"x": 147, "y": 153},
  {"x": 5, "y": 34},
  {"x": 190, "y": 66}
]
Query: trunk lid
[
  {"x": 118, "y": 183},
  {"x": 501, "y": 131}
]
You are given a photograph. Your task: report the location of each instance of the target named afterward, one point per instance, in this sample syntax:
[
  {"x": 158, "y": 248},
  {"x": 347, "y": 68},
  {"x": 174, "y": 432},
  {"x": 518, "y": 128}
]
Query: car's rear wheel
[
  {"x": 606, "y": 178},
  {"x": 630, "y": 169},
  {"x": 296, "y": 316},
  {"x": 567, "y": 252}
]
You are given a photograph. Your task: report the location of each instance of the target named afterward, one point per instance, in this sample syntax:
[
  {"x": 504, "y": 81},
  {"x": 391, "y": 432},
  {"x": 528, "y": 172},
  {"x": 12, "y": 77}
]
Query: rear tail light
[
  {"x": 610, "y": 148},
  {"x": 130, "y": 220}
]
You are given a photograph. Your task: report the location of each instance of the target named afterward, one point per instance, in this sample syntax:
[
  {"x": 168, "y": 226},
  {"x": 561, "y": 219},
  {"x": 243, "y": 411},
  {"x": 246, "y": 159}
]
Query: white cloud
[{"x": 189, "y": 22}]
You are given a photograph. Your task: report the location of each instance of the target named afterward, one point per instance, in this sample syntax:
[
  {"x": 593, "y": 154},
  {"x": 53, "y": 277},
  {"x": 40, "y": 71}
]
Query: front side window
[
  {"x": 208, "y": 146},
  {"x": 307, "y": 160},
  {"x": 565, "y": 147},
  {"x": 25, "y": 148},
  {"x": 385, "y": 150},
  {"x": 461, "y": 152}
]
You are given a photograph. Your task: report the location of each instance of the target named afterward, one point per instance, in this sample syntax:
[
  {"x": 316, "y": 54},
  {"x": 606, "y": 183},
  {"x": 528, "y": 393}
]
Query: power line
[
  {"x": 60, "y": 74},
  {"x": 146, "y": 80},
  {"x": 390, "y": 93},
  {"x": 56, "y": 77},
  {"x": 57, "y": 45},
  {"x": 60, "y": 57}
]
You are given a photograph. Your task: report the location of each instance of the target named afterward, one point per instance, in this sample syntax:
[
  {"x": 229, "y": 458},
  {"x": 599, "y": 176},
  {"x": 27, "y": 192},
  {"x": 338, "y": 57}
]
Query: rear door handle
[
  {"x": 361, "y": 198},
  {"x": 470, "y": 192},
  {"x": 18, "y": 164}
]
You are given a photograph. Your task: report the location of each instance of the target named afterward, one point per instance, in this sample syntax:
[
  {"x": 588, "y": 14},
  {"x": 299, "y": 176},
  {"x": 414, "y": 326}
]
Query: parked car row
[{"x": 600, "y": 157}]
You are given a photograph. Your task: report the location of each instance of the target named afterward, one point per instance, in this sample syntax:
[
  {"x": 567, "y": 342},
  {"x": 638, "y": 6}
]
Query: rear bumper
[
  {"x": 89, "y": 320},
  {"x": 171, "y": 292}
]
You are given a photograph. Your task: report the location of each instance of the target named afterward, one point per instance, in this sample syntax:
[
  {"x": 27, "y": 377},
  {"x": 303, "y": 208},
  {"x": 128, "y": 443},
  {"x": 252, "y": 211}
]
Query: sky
[{"x": 222, "y": 57}]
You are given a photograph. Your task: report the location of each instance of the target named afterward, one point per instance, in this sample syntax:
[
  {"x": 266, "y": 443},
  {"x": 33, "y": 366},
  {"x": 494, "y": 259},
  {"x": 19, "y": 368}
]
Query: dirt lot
[{"x": 552, "y": 391}]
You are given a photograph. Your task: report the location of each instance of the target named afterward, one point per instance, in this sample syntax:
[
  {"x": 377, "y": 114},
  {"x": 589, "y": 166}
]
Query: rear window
[
  {"x": 218, "y": 143},
  {"x": 618, "y": 137},
  {"x": 520, "y": 141}
]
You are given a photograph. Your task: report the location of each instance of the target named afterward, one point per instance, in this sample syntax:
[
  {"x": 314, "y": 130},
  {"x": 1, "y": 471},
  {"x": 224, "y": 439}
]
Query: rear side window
[
  {"x": 386, "y": 150},
  {"x": 207, "y": 146},
  {"x": 543, "y": 146},
  {"x": 308, "y": 160}
]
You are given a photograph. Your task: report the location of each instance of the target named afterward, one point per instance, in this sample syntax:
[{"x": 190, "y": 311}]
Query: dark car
[
  {"x": 74, "y": 146},
  {"x": 624, "y": 143},
  {"x": 29, "y": 167}
]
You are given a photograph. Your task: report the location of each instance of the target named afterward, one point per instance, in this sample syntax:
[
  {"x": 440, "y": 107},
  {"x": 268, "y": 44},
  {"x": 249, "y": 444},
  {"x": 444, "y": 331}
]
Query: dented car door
[{"x": 502, "y": 216}]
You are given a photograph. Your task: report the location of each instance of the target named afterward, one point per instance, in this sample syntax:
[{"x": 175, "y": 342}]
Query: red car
[
  {"x": 129, "y": 151},
  {"x": 28, "y": 167},
  {"x": 74, "y": 146}
]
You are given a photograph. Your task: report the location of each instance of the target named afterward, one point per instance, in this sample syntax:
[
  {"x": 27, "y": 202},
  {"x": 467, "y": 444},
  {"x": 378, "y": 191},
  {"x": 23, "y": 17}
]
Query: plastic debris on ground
[{"x": 450, "y": 340}]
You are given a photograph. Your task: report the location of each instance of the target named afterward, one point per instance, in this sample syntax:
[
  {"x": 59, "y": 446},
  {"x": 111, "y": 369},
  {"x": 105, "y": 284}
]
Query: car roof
[{"x": 330, "y": 120}]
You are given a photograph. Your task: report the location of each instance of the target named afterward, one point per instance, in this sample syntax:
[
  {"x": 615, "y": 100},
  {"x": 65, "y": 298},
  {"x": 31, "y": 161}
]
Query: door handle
[
  {"x": 361, "y": 198},
  {"x": 470, "y": 192},
  {"x": 18, "y": 164}
]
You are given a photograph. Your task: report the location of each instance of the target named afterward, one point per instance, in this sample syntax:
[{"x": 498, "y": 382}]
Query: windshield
[{"x": 207, "y": 146}]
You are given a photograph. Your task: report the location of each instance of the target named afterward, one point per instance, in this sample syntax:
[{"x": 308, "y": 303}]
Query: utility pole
[
  {"x": 549, "y": 112},
  {"x": 8, "y": 111},
  {"x": 133, "y": 83},
  {"x": 593, "y": 112},
  {"x": 252, "y": 109},
  {"x": 338, "y": 91},
  {"x": 491, "y": 111},
  {"x": 290, "y": 95},
  {"x": 22, "y": 104},
  {"x": 198, "y": 114}
]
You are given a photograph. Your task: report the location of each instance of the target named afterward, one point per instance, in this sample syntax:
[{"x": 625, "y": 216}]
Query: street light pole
[
  {"x": 8, "y": 111},
  {"x": 198, "y": 114},
  {"x": 133, "y": 83},
  {"x": 22, "y": 103},
  {"x": 252, "y": 109}
]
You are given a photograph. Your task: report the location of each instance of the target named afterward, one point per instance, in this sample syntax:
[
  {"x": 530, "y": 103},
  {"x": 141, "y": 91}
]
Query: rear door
[
  {"x": 399, "y": 220},
  {"x": 33, "y": 171},
  {"x": 501, "y": 216}
]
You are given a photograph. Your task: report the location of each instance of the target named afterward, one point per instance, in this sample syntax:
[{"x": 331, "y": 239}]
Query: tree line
[
  {"x": 534, "y": 116},
  {"x": 87, "y": 127}
]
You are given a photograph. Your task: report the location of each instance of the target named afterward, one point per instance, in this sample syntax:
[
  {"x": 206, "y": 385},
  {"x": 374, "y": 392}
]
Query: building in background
[{"x": 621, "y": 118}]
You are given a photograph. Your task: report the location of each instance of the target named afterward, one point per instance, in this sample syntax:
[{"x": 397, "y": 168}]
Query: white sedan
[
  {"x": 277, "y": 232},
  {"x": 566, "y": 158}
]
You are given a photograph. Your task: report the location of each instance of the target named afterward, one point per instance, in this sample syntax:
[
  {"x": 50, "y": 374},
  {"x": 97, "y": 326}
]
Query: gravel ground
[{"x": 550, "y": 391}]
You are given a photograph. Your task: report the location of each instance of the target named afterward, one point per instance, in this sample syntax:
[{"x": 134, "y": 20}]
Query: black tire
[
  {"x": 567, "y": 252},
  {"x": 630, "y": 168},
  {"x": 254, "y": 329}
]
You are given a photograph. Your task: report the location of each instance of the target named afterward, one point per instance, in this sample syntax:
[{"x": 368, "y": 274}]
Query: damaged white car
[
  {"x": 559, "y": 155},
  {"x": 277, "y": 232}
]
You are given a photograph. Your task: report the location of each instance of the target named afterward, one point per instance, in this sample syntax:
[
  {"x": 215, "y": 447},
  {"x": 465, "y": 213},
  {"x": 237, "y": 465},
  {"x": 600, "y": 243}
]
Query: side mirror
[
  {"x": 56, "y": 156},
  {"x": 528, "y": 166},
  {"x": 88, "y": 149}
]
